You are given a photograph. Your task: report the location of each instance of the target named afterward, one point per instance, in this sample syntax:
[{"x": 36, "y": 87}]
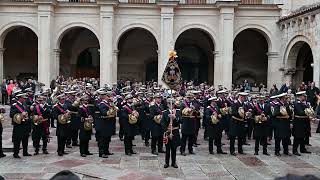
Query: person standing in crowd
[
  {"x": 2, "y": 111},
  {"x": 312, "y": 91},
  {"x": 260, "y": 133},
  {"x": 10, "y": 90},
  {"x": 4, "y": 93},
  {"x": 197, "y": 107},
  {"x": 281, "y": 113},
  {"x": 21, "y": 125},
  {"x": 156, "y": 111},
  {"x": 170, "y": 123},
  {"x": 85, "y": 127},
  {"x": 300, "y": 123},
  {"x": 274, "y": 90},
  {"x": 212, "y": 118}
]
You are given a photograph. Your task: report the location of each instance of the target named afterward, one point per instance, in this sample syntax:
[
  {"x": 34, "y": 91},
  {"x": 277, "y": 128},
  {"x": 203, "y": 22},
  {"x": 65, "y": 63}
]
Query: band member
[
  {"x": 171, "y": 122},
  {"x": 238, "y": 123},
  {"x": 73, "y": 104},
  {"x": 106, "y": 124},
  {"x": 147, "y": 120},
  {"x": 85, "y": 127},
  {"x": 129, "y": 118},
  {"x": 281, "y": 113},
  {"x": 61, "y": 113},
  {"x": 40, "y": 126},
  {"x": 300, "y": 123},
  {"x": 21, "y": 125},
  {"x": 188, "y": 124},
  {"x": 223, "y": 105},
  {"x": 156, "y": 130},
  {"x": 261, "y": 110},
  {"x": 2, "y": 111},
  {"x": 214, "y": 125},
  {"x": 197, "y": 107}
]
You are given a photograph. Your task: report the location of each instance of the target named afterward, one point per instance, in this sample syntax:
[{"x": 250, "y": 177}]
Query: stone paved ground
[{"x": 146, "y": 166}]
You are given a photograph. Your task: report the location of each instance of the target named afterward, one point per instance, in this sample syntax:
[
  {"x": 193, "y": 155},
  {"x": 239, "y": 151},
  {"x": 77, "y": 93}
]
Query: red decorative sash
[
  {"x": 19, "y": 108},
  {"x": 128, "y": 109},
  {"x": 213, "y": 109},
  {"x": 38, "y": 110},
  {"x": 258, "y": 108},
  {"x": 85, "y": 109},
  {"x": 61, "y": 110}
]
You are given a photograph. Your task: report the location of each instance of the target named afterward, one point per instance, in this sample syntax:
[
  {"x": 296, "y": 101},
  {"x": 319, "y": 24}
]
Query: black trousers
[
  {"x": 1, "y": 129},
  {"x": 51, "y": 121},
  {"x": 250, "y": 128},
  {"x": 307, "y": 140},
  {"x": 205, "y": 133},
  {"x": 241, "y": 140},
  {"x": 184, "y": 139},
  {"x": 298, "y": 142},
  {"x": 263, "y": 142},
  {"x": 84, "y": 146},
  {"x": 103, "y": 144},
  {"x": 146, "y": 135},
  {"x": 4, "y": 97},
  {"x": 16, "y": 144},
  {"x": 285, "y": 144},
  {"x": 36, "y": 143},
  {"x": 171, "y": 149},
  {"x": 121, "y": 132},
  {"x": 74, "y": 134},
  {"x": 128, "y": 144},
  {"x": 61, "y": 143},
  {"x": 217, "y": 142},
  {"x": 156, "y": 141}
]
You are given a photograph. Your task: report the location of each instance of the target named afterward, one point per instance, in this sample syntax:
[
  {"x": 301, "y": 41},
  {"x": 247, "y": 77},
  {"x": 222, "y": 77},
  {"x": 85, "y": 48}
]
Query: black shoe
[
  {"x": 132, "y": 152},
  {"x": 36, "y": 153},
  {"x": 154, "y": 152},
  {"x": 83, "y": 155},
  {"x": 16, "y": 156},
  {"x": 128, "y": 154},
  {"x": 161, "y": 151},
  {"x": 221, "y": 152},
  {"x": 109, "y": 153},
  {"x": 287, "y": 153},
  {"x": 233, "y": 154},
  {"x": 268, "y": 143},
  {"x": 2, "y": 155},
  {"x": 104, "y": 156},
  {"x": 246, "y": 144},
  {"x": 45, "y": 152},
  {"x": 27, "y": 154},
  {"x": 195, "y": 145},
  {"x": 296, "y": 153},
  {"x": 211, "y": 152},
  {"x": 60, "y": 154},
  {"x": 306, "y": 152},
  {"x": 134, "y": 145},
  {"x": 146, "y": 144},
  {"x": 75, "y": 144},
  {"x": 256, "y": 153},
  {"x": 183, "y": 154},
  {"x": 166, "y": 166},
  {"x": 69, "y": 146},
  {"x": 174, "y": 165},
  {"x": 191, "y": 152},
  {"x": 308, "y": 145},
  {"x": 277, "y": 154},
  {"x": 121, "y": 139},
  {"x": 65, "y": 153},
  {"x": 266, "y": 153},
  {"x": 89, "y": 154},
  {"x": 53, "y": 127}
]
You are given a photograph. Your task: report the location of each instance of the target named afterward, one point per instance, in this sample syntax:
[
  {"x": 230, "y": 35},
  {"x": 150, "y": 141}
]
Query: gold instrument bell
[
  {"x": 157, "y": 119},
  {"x": 112, "y": 112},
  {"x": 37, "y": 119},
  {"x": 64, "y": 118},
  {"x": 241, "y": 112},
  {"x": 187, "y": 112},
  {"x": 17, "y": 118},
  {"x": 309, "y": 112},
  {"x": 1, "y": 118},
  {"x": 260, "y": 118},
  {"x": 88, "y": 124},
  {"x": 214, "y": 119},
  {"x": 133, "y": 117},
  {"x": 283, "y": 111}
]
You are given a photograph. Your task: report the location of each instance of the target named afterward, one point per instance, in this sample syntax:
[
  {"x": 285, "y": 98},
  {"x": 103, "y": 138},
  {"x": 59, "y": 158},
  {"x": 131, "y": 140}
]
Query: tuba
[
  {"x": 214, "y": 118},
  {"x": 133, "y": 117},
  {"x": 20, "y": 117},
  {"x": 309, "y": 112},
  {"x": 88, "y": 123},
  {"x": 241, "y": 112},
  {"x": 157, "y": 118},
  {"x": 283, "y": 111},
  {"x": 112, "y": 112},
  {"x": 64, "y": 118},
  {"x": 187, "y": 112}
]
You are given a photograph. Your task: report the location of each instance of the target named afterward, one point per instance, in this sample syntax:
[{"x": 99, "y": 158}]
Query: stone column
[
  {"x": 45, "y": 24},
  {"x": 217, "y": 69},
  {"x": 210, "y": 69},
  {"x": 1, "y": 64},
  {"x": 316, "y": 66},
  {"x": 115, "y": 66},
  {"x": 56, "y": 71},
  {"x": 106, "y": 40},
  {"x": 274, "y": 73},
  {"x": 226, "y": 33},
  {"x": 166, "y": 44}
]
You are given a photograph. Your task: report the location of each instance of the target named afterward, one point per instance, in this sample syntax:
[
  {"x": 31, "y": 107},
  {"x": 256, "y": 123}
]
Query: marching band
[{"x": 167, "y": 118}]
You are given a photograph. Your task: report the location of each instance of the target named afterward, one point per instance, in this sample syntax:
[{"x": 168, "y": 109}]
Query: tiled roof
[{"x": 300, "y": 11}]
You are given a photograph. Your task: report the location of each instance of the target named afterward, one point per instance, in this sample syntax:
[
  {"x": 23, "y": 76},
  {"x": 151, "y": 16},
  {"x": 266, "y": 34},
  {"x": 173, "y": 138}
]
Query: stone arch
[
  {"x": 8, "y": 27},
  {"x": 129, "y": 27},
  {"x": 200, "y": 27},
  {"x": 289, "y": 52},
  {"x": 261, "y": 29},
  {"x": 65, "y": 29}
]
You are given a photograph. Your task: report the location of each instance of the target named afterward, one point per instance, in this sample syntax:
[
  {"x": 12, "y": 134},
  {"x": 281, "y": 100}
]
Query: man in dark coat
[
  {"x": 312, "y": 91},
  {"x": 146, "y": 120},
  {"x": 214, "y": 126},
  {"x": 73, "y": 106},
  {"x": 2, "y": 111},
  {"x": 261, "y": 112},
  {"x": 300, "y": 124},
  {"x": 281, "y": 113},
  {"x": 129, "y": 128},
  {"x": 106, "y": 124},
  {"x": 156, "y": 111},
  {"x": 85, "y": 133},
  {"x": 21, "y": 129}
]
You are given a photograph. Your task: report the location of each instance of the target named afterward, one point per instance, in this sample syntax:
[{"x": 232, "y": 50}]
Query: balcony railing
[
  {"x": 18, "y": 0},
  {"x": 261, "y": 1},
  {"x": 78, "y": 1},
  {"x": 197, "y": 2},
  {"x": 138, "y": 1}
]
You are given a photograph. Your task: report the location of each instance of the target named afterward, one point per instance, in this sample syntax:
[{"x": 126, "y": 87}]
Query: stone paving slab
[{"x": 145, "y": 166}]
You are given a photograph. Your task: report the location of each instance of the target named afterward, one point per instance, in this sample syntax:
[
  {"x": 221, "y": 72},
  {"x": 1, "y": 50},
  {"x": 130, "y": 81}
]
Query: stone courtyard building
[{"x": 218, "y": 41}]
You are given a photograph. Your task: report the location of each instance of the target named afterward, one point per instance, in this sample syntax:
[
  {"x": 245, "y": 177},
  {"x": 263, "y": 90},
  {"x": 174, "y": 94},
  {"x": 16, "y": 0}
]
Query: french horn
[
  {"x": 260, "y": 118},
  {"x": 309, "y": 112},
  {"x": 133, "y": 117},
  {"x": 64, "y": 118},
  {"x": 157, "y": 119},
  {"x": 214, "y": 119},
  {"x": 88, "y": 124},
  {"x": 187, "y": 112},
  {"x": 283, "y": 111},
  {"x": 37, "y": 120},
  {"x": 241, "y": 112},
  {"x": 112, "y": 112}
]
